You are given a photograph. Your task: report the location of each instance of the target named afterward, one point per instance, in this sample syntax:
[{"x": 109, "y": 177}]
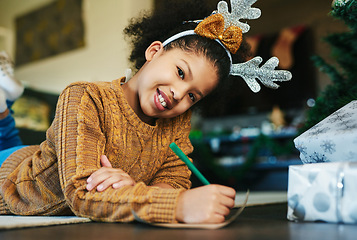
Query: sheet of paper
[
  {"x": 235, "y": 212},
  {"x": 14, "y": 221}
]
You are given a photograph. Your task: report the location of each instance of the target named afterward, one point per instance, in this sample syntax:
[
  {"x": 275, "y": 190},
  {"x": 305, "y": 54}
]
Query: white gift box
[
  {"x": 334, "y": 139},
  {"x": 323, "y": 192}
]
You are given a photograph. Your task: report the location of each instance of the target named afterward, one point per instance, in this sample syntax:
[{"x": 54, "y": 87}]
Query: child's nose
[
  {"x": 176, "y": 95},
  {"x": 179, "y": 92}
]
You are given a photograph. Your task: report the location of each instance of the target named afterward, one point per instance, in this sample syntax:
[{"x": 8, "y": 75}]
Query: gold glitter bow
[{"x": 213, "y": 27}]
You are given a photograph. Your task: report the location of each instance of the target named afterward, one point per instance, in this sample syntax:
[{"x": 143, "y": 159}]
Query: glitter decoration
[
  {"x": 225, "y": 28},
  {"x": 250, "y": 71},
  {"x": 241, "y": 9},
  {"x": 213, "y": 28}
]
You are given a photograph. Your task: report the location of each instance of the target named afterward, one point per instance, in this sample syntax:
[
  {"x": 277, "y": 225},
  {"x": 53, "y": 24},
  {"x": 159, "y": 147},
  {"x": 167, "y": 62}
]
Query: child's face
[{"x": 172, "y": 81}]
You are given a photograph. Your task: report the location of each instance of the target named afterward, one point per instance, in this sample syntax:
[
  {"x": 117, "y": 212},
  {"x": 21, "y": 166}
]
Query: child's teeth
[{"x": 162, "y": 101}]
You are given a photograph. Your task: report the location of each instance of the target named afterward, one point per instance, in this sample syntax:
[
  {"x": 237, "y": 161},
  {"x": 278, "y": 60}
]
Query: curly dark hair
[{"x": 171, "y": 18}]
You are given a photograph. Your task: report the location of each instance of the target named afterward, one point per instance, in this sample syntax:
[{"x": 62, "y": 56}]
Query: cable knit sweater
[{"x": 93, "y": 119}]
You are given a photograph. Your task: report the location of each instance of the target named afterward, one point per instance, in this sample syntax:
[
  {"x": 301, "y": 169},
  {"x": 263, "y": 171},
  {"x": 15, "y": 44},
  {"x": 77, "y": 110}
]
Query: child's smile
[{"x": 162, "y": 101}]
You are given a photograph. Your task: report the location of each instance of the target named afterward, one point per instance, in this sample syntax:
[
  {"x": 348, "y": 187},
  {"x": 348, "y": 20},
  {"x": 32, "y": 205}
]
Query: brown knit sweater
[{"x": 93, "y": 119}]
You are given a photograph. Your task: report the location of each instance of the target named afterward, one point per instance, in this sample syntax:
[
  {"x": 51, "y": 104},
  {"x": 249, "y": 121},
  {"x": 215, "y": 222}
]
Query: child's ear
[{"x": 153, "y": 49}]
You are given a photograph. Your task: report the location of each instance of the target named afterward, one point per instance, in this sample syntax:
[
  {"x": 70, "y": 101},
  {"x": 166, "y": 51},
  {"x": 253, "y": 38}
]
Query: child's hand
[
  {"x": 108, "y": 176},
  {"x": 207, "y": 204}
]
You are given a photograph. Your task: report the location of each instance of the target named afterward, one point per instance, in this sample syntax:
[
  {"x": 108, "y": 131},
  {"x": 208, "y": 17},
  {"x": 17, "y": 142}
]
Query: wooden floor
[{"x": 256, "y": 222}]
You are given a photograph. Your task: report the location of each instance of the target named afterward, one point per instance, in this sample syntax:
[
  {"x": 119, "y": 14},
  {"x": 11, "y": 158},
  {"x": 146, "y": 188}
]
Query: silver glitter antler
[
  {"x": 241, "y": 9},
  {"x": 250, "y": 70}
]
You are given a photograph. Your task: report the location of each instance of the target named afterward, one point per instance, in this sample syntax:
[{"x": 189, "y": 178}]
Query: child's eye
[
  {"x": 192, "y": 96},
  {"x": 180, "y": 73}
]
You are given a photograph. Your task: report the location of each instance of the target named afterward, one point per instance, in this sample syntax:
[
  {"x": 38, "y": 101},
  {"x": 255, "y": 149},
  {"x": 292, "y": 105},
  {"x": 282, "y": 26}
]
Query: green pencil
[{"x": 189, "y": 164}]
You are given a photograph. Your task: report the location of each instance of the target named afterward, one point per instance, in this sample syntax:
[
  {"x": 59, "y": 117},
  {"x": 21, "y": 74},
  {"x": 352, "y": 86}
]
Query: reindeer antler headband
[{"x": 227, "y": 30}]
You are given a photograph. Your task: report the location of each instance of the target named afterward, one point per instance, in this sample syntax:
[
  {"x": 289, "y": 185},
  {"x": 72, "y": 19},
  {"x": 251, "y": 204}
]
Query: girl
[{"x": 107, "y": 152}]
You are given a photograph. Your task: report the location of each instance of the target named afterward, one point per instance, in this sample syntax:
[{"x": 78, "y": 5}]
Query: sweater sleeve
[
  {"x": 79, "y": 143},
  {"x": 174, "y": 171}
]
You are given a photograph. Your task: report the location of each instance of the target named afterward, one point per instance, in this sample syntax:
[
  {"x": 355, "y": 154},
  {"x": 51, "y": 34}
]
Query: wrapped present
[
  {"x": 323, "y": 192},
  {"x": 334, "y": 139}
]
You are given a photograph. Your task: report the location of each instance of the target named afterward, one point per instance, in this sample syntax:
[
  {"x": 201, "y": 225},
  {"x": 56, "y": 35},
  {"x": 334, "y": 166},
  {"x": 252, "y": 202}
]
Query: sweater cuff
[{"x": 162, "y": 207}]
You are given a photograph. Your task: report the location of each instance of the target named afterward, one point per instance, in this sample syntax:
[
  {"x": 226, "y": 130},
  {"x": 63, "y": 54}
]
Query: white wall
[{"x": 104, "y": 56}]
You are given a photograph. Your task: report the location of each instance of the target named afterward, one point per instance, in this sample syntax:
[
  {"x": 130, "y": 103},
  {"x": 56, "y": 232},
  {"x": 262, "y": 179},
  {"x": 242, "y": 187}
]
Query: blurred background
[{"x": 247, "y": 143}]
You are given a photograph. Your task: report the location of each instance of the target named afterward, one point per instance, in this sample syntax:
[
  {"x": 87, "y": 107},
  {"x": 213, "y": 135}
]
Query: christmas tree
[{"x": 344, "y": 76}]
